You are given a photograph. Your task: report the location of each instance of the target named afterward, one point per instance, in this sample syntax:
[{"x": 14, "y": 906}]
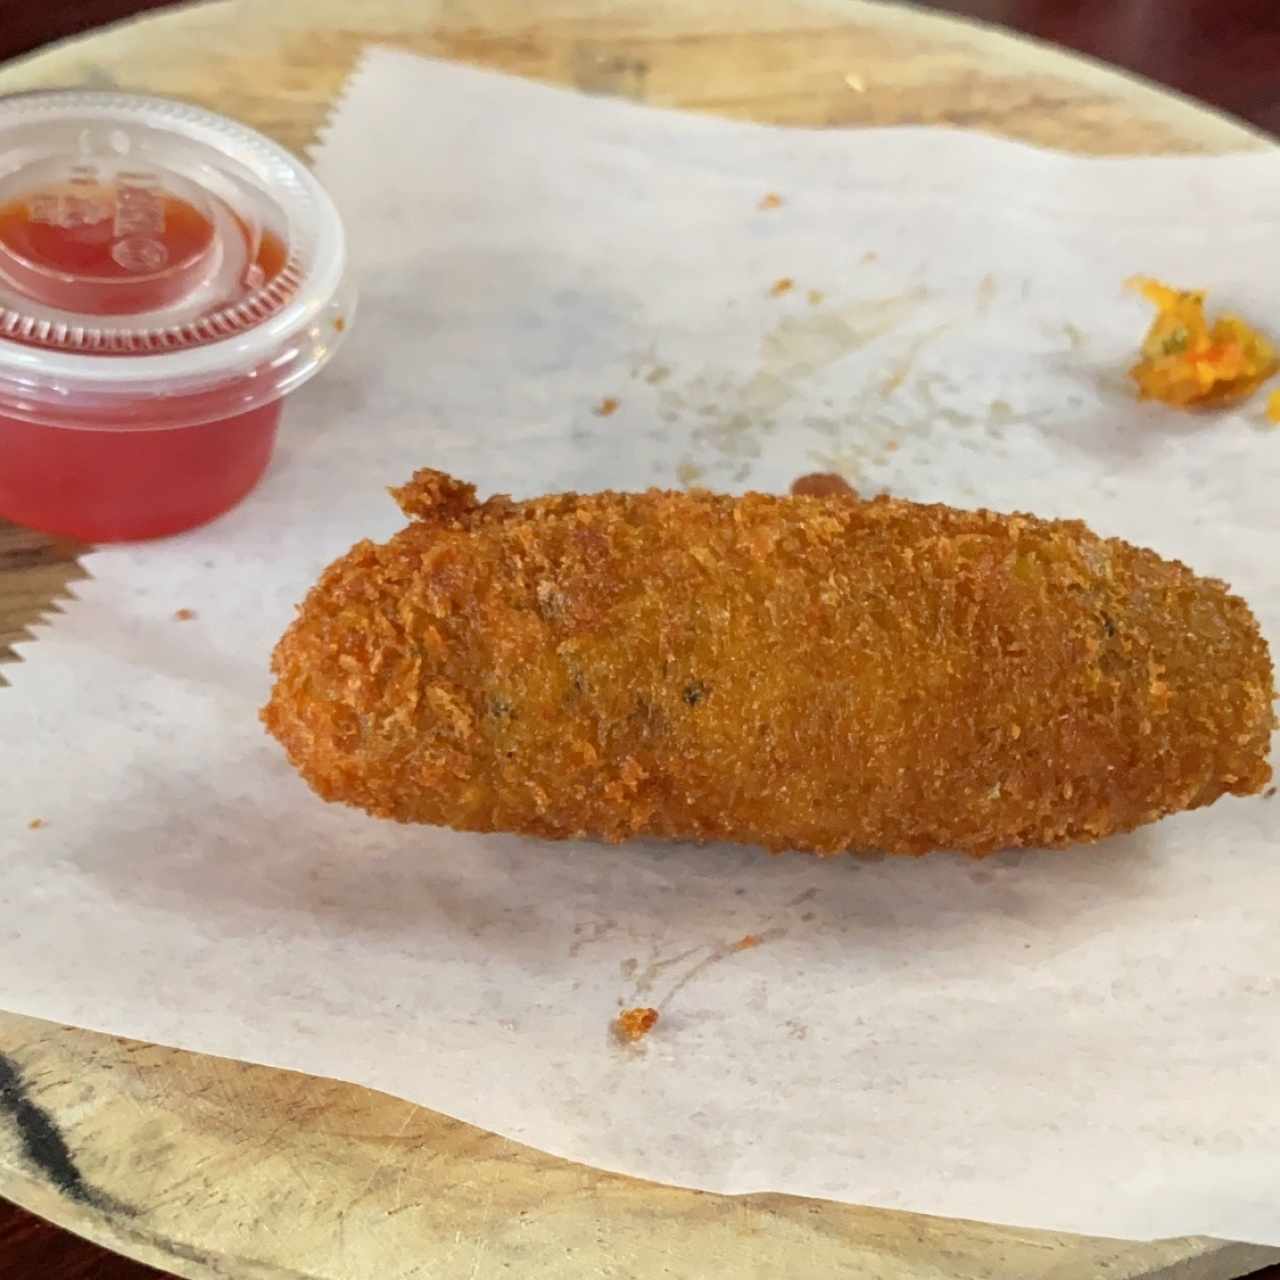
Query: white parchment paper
[{"x": 1084, "y": 1041}]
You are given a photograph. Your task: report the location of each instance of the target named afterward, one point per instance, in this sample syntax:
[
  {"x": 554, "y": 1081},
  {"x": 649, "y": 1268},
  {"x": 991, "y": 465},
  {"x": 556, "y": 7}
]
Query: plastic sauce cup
[{"x": 167, "y": 276}]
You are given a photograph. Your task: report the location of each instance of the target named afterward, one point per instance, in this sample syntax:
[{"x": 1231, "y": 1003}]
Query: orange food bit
[
  {"x": 785, "y": 285},
  {"x": 634, "y": 1024},
  {"x": 771, "y": 201},
  {"x": 606, "y": 406},
  {"x": 1186, "y": 361},
  {"x": 747, "y": 941},
  {"x": 1273, "y": 406}
]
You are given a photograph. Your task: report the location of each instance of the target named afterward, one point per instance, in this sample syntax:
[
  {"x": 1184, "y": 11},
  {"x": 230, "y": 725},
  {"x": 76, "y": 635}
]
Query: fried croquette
[{"x": 797, "y": 672}]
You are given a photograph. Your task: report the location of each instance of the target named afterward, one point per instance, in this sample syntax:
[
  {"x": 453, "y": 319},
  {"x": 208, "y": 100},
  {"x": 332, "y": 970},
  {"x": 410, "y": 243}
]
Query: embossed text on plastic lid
[{"x": 155, "y": 254}]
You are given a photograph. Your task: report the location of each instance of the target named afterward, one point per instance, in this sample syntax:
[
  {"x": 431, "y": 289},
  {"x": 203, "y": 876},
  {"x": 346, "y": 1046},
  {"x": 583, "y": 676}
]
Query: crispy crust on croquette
[{"x": 798, "y": 673}]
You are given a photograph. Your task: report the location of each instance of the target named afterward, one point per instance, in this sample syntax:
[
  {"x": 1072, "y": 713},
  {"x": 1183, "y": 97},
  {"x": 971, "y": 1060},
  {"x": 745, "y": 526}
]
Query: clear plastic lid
[{"x": 159, "y": 265}]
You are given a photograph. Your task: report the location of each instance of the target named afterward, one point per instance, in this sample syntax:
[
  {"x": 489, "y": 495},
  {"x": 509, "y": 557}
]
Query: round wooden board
[{"x": 211, "y": 1168}]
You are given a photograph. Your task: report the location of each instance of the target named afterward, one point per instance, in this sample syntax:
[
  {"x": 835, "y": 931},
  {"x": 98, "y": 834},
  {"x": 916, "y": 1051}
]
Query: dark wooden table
[{"x": 1225, "y": 52}]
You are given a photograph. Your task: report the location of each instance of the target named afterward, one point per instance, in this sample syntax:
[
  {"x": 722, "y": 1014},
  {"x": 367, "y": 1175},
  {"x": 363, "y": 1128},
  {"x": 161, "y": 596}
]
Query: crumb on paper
[
  {"x": 747, "y": 941},
  {"x": 607, "y": 406},
  {"x": 815, "y": 296},
  {"x": 771, "y": 200},
  {"x": 634, "y": 1024},
  {"x": 340, "y": 324},
  {"x": 1188, "y": 361},
  {"x": 779, "y": 287},
  {"x": 870, "y": 256},
  {"x": 822, "y": 484},
  {"x": 1268, "y": 793},
  {"x": 35, "y": 824},
  {"x": 688, "y": 473},
  {"x": 184, "y": 615}
]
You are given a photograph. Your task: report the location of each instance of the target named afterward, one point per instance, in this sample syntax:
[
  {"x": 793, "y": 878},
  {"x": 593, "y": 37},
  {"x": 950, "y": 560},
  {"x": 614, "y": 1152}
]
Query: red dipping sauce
[{"x": 166, "y": 278}]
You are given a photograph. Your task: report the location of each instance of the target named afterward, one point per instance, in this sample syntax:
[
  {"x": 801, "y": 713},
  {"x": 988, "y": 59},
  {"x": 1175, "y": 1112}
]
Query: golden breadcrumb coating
[{"x": 799, "y": 673}]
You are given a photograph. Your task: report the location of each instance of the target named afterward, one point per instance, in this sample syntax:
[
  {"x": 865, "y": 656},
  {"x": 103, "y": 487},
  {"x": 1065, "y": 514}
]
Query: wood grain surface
[
  {"x": 1223, "y": 52},
  {"x": 1226, "y": 52},
  {"x": 209, "y": 1168}
]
